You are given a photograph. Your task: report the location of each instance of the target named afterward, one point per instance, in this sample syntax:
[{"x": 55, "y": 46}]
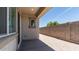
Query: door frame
[{"x": 19, "y": 28}]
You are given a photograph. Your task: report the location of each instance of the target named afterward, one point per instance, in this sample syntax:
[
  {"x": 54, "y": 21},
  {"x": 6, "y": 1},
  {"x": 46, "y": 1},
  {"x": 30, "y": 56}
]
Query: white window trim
[
  {"x": 16, "y": 22},
  {"x": 7, "y": 20},
  {"x": 8, "y": 34}
]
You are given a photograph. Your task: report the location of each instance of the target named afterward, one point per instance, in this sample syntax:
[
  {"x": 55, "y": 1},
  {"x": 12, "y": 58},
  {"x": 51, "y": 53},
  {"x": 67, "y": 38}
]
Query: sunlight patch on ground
[{"x": 57, "y": 44}]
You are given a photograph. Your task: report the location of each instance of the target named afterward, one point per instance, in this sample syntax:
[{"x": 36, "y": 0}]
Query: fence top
[{"x": 61, "y": 24}]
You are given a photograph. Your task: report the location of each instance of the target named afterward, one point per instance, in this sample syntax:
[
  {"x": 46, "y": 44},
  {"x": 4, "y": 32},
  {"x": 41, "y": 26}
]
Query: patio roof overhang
[
  {"x": 43, "y": 12},
  {"x": 34, "y": 11}
]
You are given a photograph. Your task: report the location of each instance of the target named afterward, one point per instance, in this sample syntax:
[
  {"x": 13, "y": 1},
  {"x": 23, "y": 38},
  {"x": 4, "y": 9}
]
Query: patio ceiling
[
  {"x": 35, "y": 11},
  {"x": 28, "y": 10}
]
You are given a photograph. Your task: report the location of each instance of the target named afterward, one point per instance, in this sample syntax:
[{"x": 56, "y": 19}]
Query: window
[
  {"x": 7, "y": 21},
  {"x": 12, "y": 20},
  {"x": 3, "y": 20},
  {"x": 32, "y": 23}
]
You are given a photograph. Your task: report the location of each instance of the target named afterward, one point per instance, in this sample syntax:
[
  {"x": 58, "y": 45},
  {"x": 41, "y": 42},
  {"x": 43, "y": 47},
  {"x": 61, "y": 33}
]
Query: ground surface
[
  {"x": 46, "y": 43},
  {"x": 59, "y": 45},
  {"x": 34, "y": 45}
]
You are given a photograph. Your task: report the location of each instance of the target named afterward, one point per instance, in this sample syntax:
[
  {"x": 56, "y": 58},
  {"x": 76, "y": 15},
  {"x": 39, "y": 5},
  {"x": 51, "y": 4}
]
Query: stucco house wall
[
  {"x": 29, "y": 33},
  {"x": 9, "y": 43}
]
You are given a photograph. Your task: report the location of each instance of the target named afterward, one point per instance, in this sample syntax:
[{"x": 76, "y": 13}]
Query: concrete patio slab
[{"x": 34, "y": 45}]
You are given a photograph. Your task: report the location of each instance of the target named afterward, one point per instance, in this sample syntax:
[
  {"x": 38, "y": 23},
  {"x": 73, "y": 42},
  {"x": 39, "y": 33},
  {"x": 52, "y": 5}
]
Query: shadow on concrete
[{"x": 34, "y": 45}]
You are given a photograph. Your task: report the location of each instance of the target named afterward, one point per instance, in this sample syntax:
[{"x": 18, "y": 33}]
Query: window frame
[
  {"x": 7, "y": 34},
  {"x": 30, "y": 22}
]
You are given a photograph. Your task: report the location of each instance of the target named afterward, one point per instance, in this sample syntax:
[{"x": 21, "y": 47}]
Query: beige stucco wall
[
  {"x": 9, "y": 43},
  {"x": 28, "y": 33}
]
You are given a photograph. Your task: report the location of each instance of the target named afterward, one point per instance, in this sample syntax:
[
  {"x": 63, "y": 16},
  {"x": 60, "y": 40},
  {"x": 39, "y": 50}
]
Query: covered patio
[
  {"x": 22, "y": 33},
  {"x": 20, "y": 25}
]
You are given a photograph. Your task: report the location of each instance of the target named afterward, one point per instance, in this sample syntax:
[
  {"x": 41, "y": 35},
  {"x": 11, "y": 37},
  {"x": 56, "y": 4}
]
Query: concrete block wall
[{"x": 67, "y": 31}]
